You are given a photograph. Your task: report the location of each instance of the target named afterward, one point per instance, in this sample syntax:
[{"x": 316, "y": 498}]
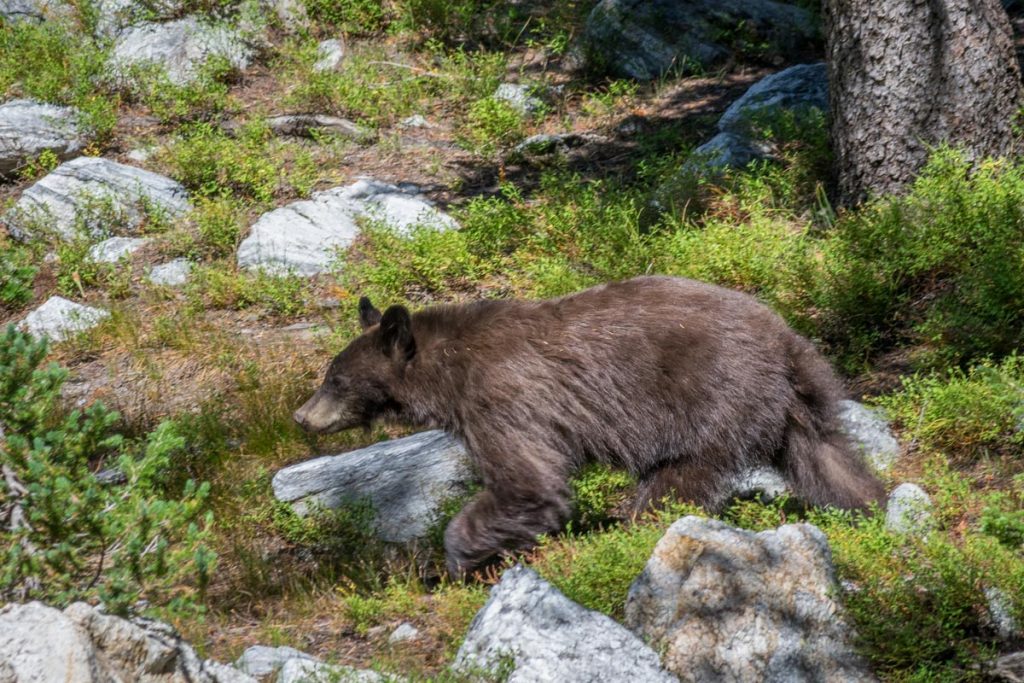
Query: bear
[{"x": 681, "y": 383}]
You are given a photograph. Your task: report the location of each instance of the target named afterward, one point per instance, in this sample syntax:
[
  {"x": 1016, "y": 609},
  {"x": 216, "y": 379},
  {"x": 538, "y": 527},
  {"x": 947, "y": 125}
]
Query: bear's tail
[{"x": 818, "y": 460}]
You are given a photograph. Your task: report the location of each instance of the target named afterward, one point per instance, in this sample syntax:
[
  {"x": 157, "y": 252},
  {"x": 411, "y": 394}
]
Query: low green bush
[
  {"x": 68, "y": 535},
  {"x": 17, "y": 273},
  {"x": 941, "y": 268},
  {"x": 963, "y": 414}
]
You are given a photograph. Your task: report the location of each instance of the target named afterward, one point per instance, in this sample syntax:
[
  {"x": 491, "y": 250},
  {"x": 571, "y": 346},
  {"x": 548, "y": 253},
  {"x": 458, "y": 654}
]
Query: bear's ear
[
  {"x": 368, "y": 315},
  {"x": 396, "y": 338}
]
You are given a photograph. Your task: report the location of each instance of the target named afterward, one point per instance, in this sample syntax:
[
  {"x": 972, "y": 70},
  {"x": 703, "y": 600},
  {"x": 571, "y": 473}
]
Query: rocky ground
[{"x": 195, "y": 194}]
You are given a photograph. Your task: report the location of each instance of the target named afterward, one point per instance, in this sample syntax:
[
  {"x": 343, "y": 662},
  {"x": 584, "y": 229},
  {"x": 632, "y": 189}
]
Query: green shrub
[
  {"x": 52, "y": 61},
  {"x": 597, "y": 491},
  {"x": 492, "y": 125},
  {"x": 254, "y": 164},
  {"x": 79, "y": 538},
  {"x": 917, "y": 605},
  {"x": 17, "y": 273},
  {"x": 963, "y": 413},
  {"x": 200, "y": 99},
  {"x": 942, "y": 266}
]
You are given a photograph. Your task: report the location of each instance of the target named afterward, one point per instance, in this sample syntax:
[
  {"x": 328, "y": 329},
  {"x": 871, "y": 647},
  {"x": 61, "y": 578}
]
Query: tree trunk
[{"x": 907, "y": 75}]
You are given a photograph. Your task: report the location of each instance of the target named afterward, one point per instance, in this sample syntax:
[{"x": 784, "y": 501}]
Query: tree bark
[{"x": 907, "y": 75}]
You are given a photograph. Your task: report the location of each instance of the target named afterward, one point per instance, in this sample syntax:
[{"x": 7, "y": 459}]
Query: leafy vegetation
[
  {"x": 71, "y": 536},
  {"x": 931, "y": 281}
]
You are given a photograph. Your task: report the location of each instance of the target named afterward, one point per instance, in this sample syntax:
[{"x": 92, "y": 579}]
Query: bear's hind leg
[
  {"x": 487, "y": 527},
  {"x": 688, "y": 482}
]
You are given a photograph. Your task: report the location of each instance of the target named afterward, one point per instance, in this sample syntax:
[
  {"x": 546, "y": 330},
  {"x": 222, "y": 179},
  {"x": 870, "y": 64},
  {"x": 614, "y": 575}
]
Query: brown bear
[{"x": 684, "y": 384}]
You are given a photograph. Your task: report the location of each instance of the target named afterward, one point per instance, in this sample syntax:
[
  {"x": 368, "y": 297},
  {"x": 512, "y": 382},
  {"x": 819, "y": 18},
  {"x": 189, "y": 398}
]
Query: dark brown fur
[{"x": 682, "y": 383}]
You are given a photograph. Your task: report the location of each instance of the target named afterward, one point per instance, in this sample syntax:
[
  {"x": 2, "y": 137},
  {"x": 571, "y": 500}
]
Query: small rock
[
  {"x": 521, "y": 97},
  {"x": 414, "y": 121},
  {"x": 107, "y": 196},
  {"x": 551, "y": 638},
  {"x": 141, "y": 155},
  {"x": 909, "y": 511},
  {"x": 306, "y": 237},
  {"x": 726, "y": 604},
  {"x": 111, "y": 477},
  {"x": 1000, "y": 610},
  {"x": 58, "y": 319},
  {"x": 304, "y": 125},
  {"x": 403, "y": 633},
  {"x": 111, "y": 250},
  {"x": 330, "y": 53},
  {"x": 406, "y": 480},
  {"x": 171, "y": 274},
  {"x": 262, "y": 662},
  {"x": 870, "y": 431},
  {"x": 312, "y": 671},
  {"x": 763, "y": 482},
  {"x": 28, "y": 128},
  {"x": 177, "y": 47},
  {"x": 560, "y": 143}
]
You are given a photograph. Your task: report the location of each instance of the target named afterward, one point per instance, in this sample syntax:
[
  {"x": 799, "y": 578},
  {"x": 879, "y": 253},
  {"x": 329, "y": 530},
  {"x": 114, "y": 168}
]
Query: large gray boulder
[
  {"x": 40, "y": 644},
  {"x": 99, "y": 195},
  {"x": 305, "y": 237},
  {"x": 551, "y": 638},
  {"x": 406, "y": 480},
  {"x": 644, "y": 39},
  {"x": 28, "y": 128},
  {"x": 800, "y": 87},
  {"x": 724, "y": 604},
  {"x": 179, "y": 48},
  {"x": 59, "y": 319}
]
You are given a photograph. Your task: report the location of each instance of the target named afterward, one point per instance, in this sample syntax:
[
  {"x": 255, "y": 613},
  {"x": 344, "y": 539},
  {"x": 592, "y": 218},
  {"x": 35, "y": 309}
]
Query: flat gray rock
[
  {"x": 171, "y": 274},
  {"x": 305, "y": 125},
  {"x": 306, "y": 237},
  {"x": 870, "y": 431},
  {"x": 644, "y": 39},
  {"x": 407, "y": 480},
  {"x": 725, "y": 604},
  {"x": 909, "y": 510},
  {"x": 29, "y": 128},
  {"x": 804, "y": 86},
  {"x": 330, "y": 54},
  {"x": 263, "y": 663},
  {"x": 551, "y": 638},
  {"x": 177, "y": 47},
  {"x": 113, "y": 249},
  {"x": 100, "y": 195},
  {"x": 58, "y": 319}
]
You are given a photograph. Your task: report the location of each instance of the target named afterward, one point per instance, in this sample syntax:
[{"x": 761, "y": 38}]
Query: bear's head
[{"x": 358, "y": 387}]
